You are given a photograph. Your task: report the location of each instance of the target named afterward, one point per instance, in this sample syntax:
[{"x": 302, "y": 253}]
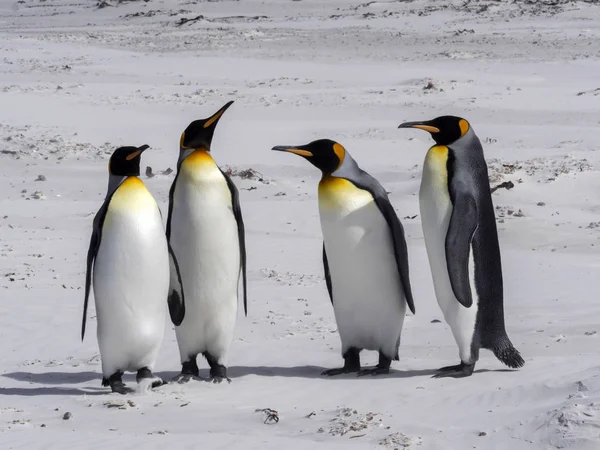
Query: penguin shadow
[
  {"x": 315, "y": 372},
  {"x": 55, "y": 380},
  {"x": 495, "y": 371}
]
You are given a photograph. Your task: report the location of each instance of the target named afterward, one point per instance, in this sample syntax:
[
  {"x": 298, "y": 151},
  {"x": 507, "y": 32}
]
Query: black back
[{"x": 473, "y": 228}]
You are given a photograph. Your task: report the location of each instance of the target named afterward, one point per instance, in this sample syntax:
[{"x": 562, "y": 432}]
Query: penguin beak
[
  {"x": 212, "y": 121},
  {"x": 199, "y": 133},
  {"x": 420, "y": 125},
  {"x": 293, "y": 149},
  {"x": 137, "y": 153}
]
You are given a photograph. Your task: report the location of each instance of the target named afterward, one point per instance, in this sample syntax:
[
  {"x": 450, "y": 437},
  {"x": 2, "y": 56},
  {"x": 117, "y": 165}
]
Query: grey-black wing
[
  {"x": 327, "y": 274},
  {"x": 170, "y": 212},
  {"x": 175, "y": 298},
  {"x": 367, "y": 182},
  {"x": 462, "y": 227},
  {"x": 91, "y": 257},
  {"x": 237, "y": 213}
]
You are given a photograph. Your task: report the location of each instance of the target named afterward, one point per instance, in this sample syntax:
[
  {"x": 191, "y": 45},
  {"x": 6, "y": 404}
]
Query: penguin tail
[{"x": 508, "y": 354}]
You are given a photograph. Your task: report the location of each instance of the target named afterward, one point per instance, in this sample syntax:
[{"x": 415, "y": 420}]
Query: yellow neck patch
[
  {"x": 341, "y": 195},
  {"x": 198, "y": 160},
  {"x": 132, "y": 182},
  {"x": 132, "y": 195},
  {"x": 436, "y": 162}
]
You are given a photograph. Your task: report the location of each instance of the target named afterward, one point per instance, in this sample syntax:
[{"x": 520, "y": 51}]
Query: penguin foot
[
  {"x": 340, "y": 371},
  {"x": 374, "y": 371},
  {"x": 351, "y": 363},
  {"x": 190, "y": 367},
  {"x": 121, "y": 388},
  {"x": 145, "y": 374},
  {"x": 380, "y": 369},
  {"x": 460, "y": 371},
  {"x": 189, "y": 371},
  {"x": 218, "y": 380},
  {"x": 116, "y": 384},
  {"x": 183, "y": 378},
  {"x": 218, "y": 373}
]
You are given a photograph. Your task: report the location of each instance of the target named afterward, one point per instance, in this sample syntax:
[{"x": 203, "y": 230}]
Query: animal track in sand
[
  {"x": 350, "y": 423},
  {"x": 290, "y": 279},
  {"x": 543, "y": 170},
  {"x": 26, "y": 141}
]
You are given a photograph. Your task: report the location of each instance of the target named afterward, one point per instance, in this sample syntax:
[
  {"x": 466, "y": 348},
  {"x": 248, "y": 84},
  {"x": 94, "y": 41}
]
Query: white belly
[
  {"x": 368, "y": 299},
  {"x": 131, "y": 280},
  {"x": 436, "y": 210},
  {"x": 204, "y": 238}
]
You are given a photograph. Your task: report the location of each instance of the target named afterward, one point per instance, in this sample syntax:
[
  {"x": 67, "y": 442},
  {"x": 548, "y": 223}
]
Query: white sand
[{"x": 77, "y": 81}]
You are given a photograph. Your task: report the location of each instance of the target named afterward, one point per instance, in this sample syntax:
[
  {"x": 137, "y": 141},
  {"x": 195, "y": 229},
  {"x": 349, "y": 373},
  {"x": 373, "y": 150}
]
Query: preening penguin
[
  {"x": 206, "y": 231},
  {"x": 365, "y": 257},
  {"x": 461, "y": 238},
  {"x": 128, "y": 263}
]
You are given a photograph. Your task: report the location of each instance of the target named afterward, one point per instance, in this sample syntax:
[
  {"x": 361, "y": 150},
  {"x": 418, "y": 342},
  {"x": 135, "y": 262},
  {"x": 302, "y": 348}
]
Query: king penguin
[
  {"x": 365, "y": 257},
  {"x": 134, "y": 273},
  {"x": 206, "y": 230},
  {"x": 461, "y": 239}
]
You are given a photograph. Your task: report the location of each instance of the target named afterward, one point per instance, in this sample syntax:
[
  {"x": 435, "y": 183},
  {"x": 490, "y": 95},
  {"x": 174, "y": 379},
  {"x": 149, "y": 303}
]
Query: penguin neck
[
  {"x": 185, "y": 152},
  {"x": 114, "y": 181},
  {"x": 346, "y": 169}
]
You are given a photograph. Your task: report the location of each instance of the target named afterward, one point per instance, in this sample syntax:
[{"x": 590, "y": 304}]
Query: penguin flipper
[
  {"x": 170, "y": 212},
  {"x": 327, "y": 274},
  {"x": 175, "y": 298},
  {"x": 400, "y": 247},
  {"x": 91, "y": 257},
  {"x": 462, "y": 227},
  {"x": 237, "y": 213},
  {"x": 370, "y": 184}
]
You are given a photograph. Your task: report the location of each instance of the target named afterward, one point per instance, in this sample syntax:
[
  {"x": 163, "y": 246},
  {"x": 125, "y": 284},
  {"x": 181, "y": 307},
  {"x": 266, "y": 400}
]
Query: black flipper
[
  {"x": 462, "y": 227},
  {"x": 176, "y": 298},
  {"x": 327, "y": 274},
  {"x": 170, "y": 213},
  {"x": 91, "y": 256},
  {"x": 400, "y": 247},
  {"x": 237, "y": 213},
  {"x": 370, "y": 184}
]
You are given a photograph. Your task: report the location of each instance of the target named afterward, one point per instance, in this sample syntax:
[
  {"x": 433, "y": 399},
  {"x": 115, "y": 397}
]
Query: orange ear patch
[
  {"x": 464, "y": 127},
  {"x": 340, "y": 152}
]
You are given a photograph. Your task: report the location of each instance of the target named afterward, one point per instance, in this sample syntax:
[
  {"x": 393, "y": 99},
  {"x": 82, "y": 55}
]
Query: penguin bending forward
[
  {"x": 461, "y": 238},
  {"x": 129, "y": 263},
  {"x": 365, "y": 257},
  {"x": 206, "y": 230}
]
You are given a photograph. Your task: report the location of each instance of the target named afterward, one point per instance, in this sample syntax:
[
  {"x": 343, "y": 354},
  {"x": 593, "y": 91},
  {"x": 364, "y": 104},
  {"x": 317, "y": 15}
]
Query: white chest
[{"x": 204, "y": 233}]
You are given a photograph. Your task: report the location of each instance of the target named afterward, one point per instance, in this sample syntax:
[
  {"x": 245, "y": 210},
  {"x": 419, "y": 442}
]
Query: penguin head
[
  {"x": 125, "y": 161},
  {"x": 199, "y": 133},
  {"x": 325, "y": 154},
  {"x": 444, "y": 129}
]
